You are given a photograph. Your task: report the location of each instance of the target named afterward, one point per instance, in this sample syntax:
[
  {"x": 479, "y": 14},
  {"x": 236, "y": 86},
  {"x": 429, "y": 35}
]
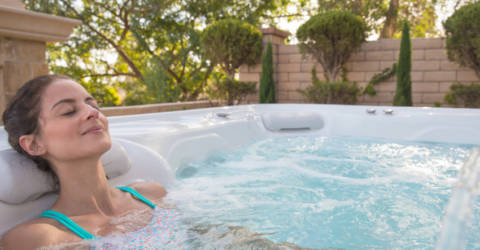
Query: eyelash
[{"x": 69, "y": 113}]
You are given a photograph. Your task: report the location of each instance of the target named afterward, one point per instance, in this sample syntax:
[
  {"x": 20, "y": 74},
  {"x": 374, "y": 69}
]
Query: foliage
[
  {"x": 267, "y": 85},
  {"x": 120, "y": 43},
  {"x": 331, "y": 38},
  {"x": 231, "y": 43},
  {"x": 403, "y": 93},
  {"x": 331, "y": 92},
  {"x": 104, "y": 94},
  {"x": 467, "y": 96},
  {"x": 158, "y": 88},
  {"x": 386, "y": 74},
  {"x": 382, "y": 15},
  {"x": 463, "y": 36},
  {"x": 225, "y": 88},
  {"x": 100, "y": 52}
]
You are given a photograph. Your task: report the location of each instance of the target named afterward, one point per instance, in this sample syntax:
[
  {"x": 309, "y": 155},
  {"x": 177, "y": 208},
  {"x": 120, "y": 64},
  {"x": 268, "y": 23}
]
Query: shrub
[
  {"x": 231, "y": 43},
  {"x": 224, "y": 88},
  {"x": 267, "y": 85},
  {"x": 331, "y": 92},
  {"x": 467, "y": 96},
  {"x": 403, "y": 93},
  {"x": 331, "y": 38},
  {"x": 463, "y": 36}
]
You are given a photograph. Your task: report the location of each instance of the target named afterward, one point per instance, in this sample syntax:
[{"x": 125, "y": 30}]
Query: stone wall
[
  {"x": 20, "y": 61},
  {"x": 23, "y": 37},
  {"x": 432, "y": 73}
]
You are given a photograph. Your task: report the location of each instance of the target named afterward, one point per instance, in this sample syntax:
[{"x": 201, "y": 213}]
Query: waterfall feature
[{"x": 460, "y": 206}]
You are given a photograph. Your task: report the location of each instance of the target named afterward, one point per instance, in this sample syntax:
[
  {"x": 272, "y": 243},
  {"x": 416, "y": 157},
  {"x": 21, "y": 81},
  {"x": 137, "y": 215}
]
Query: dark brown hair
[{"x": 21, "y": 116}]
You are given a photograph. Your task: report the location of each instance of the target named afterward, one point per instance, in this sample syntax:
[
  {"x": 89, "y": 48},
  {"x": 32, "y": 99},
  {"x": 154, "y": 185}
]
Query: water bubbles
[{"x": 355, "y": 192}]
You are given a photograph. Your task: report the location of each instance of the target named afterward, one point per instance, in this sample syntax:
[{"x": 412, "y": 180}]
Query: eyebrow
[{"x": 71, "y": 100}]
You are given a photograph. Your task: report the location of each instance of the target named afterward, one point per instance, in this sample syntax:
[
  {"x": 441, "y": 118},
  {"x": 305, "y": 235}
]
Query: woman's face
[{"x": 71, "y": 126}]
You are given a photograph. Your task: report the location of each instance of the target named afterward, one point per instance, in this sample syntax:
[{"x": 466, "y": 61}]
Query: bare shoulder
[
  {"x": 29, "y": 235},
  {"x": 151, "y": 190}
]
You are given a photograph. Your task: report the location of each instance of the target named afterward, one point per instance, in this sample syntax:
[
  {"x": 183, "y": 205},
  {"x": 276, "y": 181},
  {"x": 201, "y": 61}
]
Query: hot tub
[{"x": 174, "y": 140}]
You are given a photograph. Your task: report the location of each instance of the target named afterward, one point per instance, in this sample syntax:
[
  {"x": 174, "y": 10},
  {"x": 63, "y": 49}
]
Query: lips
[{"x": 93, "y": 130}]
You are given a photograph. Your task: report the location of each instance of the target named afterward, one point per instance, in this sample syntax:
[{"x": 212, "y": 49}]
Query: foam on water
[{"x": 318, "y": 192}]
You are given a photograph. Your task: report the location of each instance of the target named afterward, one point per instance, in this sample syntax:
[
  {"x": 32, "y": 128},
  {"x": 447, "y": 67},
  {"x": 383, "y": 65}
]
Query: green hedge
[{"x": 467, "y": 96}]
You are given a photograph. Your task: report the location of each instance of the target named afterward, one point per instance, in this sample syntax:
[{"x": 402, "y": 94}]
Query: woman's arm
[{"x": 26, "y": 236}]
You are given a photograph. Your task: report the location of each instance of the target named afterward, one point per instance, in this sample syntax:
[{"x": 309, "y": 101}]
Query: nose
[{"x": 92, "y": 113}]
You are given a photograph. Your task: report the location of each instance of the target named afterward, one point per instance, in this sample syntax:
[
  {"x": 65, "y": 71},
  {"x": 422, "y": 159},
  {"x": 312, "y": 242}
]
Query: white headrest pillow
[
  {"x": 22, "y": 181},
  {"x": 292, "y": 121}
]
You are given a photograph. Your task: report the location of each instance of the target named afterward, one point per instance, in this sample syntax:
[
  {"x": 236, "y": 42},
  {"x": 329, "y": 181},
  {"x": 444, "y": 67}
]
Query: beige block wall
[
  {"x": 20, "y": 61},
  {"x": 432, "y": 73}
]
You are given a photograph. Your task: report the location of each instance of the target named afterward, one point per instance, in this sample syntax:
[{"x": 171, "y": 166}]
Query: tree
[
  {"x": 143, "y": 46},
  {"x": 267, "y": 85},
  {"x": 331, "y": 38},
  {"x": 101, "y": 53},
  {"x": 231, "y": 43},
  {"x": 381, "y": 15},
  {"x": 403, "y": 93},
  {"x": 463, "y": 37},
  {"x": 389, "y": 26}
]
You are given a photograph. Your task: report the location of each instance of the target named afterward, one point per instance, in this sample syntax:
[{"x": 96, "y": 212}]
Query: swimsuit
[{"x": 163, "y": 231}]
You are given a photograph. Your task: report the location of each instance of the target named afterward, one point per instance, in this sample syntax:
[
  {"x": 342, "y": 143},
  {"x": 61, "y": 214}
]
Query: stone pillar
[
  {"x": 23, "y": 37},
  {"x": 252, "y": 73}
]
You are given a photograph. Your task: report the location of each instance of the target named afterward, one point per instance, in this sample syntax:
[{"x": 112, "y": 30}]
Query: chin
[
  {"x": 99, "y": 147},
  {"x": 105, "y": 145}
]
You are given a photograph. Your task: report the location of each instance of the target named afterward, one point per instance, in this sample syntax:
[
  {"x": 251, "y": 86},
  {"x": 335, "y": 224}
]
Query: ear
[{"x": 30, "y": 145}]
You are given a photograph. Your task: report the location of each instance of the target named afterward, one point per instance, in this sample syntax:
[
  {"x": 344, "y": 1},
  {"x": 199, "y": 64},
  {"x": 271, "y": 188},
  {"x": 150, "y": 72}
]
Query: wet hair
[{"x": 22, "y": 113}]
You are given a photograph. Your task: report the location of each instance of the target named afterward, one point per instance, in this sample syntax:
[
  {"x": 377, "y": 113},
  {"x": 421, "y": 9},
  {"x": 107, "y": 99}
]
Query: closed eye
[
  {"x": 95, "y": 106},
  {"x": 91, "y": 101},
  {"x": 69, "y": 113}
]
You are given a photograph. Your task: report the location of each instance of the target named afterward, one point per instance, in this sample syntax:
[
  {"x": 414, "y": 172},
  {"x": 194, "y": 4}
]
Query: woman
[{"x": 56, "y": 123}]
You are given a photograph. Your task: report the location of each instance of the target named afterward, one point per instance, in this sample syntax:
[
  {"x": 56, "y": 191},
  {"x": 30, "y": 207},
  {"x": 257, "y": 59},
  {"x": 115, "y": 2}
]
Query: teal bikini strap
[
  {"x": 137, "y": 195},
  {"x": 70, "y": 224}
]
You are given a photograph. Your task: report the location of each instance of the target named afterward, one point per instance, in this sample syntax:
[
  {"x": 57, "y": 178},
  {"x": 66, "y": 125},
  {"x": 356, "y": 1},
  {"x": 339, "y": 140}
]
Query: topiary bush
[
  {"x": 462, "y": 31},
  {"x": 331, "y": 38},
  {"x": 342, "y": 92},
  {"x": 231, "y": 43},
  {"x": 467, "y": 96},
  {"x": 403, "y": 93},
  {"x": 267, "y": 85}
]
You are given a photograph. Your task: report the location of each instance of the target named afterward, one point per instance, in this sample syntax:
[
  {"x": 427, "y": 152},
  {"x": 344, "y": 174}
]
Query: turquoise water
[{"x": 320, "y": 192}]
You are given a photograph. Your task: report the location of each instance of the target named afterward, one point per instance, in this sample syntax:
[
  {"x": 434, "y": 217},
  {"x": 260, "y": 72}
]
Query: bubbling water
[
  {"x": 324, "y": 192},
  {"x": 307, "y": 192}
]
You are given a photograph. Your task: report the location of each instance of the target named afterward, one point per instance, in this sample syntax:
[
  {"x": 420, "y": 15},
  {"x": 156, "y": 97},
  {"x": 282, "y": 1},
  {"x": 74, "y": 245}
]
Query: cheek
[
  {"x": 58, "y": 134},
  {"x": 104, "y": 121}
]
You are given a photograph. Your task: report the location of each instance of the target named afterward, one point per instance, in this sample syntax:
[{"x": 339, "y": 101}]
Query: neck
[{"x": 84, "y": 188}]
